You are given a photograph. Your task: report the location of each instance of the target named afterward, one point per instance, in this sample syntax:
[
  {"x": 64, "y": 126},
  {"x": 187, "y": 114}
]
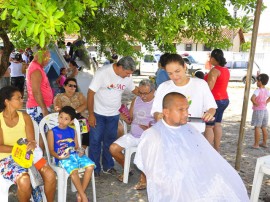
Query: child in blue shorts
[{"x": 63, "y": 146}]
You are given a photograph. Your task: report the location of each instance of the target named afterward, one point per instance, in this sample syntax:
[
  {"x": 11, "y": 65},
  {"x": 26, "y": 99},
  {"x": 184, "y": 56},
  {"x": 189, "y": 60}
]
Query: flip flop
[
  {"x": 252, "y": 147},
  {"x": 121, "y": 177},
  {"x": 140, "y": 186},
  {"x": 264, "y": 146}
]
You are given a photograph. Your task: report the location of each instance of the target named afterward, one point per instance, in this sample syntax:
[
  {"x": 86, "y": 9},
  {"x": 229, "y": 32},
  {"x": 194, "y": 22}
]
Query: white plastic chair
[
  {"x": 262, "y": 167},
  {"x": 6, "y": 184},
  {"x": 128, "y": 154},
  {"x": 51, "y": 121}
]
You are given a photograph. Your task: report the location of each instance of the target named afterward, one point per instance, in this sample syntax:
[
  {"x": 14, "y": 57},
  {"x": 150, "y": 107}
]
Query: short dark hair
[
  {"x": 73, "y": 63},
  {"x": 168, "y": 99},
  {"x": 68, "y": 110},
  {"x": 127, "y": 63},
  {"x": 6, "y": 92},
  {"x": 264, "y": 78},
  {"x": 68, "y": 80},
  {"x": 62, "y": 69},
  {"x": 199, "y": 74},
  {"x": 18, "y": 57},
  {"x": 174, "y": 58},
  {"x": 219, "y": 57},
  {"x": 162, "y": 59}
]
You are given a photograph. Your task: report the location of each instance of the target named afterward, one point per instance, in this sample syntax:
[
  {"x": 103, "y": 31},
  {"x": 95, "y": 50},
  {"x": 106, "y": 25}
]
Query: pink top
[
  {"x": 45, "y": 87},
  {"x": 262, "y": 94},
  {"x": 141, "y": 116},
  {"x": 62, "y": 80}
]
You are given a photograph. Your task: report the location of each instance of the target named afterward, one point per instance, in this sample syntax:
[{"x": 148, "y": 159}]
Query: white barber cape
[{"x": 181, "y": 166}]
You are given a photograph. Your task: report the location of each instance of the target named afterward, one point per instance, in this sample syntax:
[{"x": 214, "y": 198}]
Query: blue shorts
[
  {"x": 222, "y": 105},
  {"x": 75, "y": 162}
]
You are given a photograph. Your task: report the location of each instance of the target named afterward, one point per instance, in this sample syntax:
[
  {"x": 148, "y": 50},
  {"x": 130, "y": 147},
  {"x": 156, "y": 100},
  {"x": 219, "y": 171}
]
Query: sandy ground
[{"x": 109, "y": 189}]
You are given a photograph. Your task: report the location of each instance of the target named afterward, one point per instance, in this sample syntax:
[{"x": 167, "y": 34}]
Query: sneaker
[{"x": 111, "y": 171}]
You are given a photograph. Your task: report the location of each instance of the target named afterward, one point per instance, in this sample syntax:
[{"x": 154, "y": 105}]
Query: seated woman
[
  {"x": 14, "y": 125},
  {"x": 74, "y": 99}
]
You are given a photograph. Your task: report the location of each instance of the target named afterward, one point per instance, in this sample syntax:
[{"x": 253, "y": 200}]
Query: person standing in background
[
  {"x": 40, "y": 94},
  {"x": 17, "y": 70},
  {"x": 259, "y": 120},
  {"x": 161, "y": 74},
  {"x": 208, "y": 65},
  {"x": 217, "y": 79}
]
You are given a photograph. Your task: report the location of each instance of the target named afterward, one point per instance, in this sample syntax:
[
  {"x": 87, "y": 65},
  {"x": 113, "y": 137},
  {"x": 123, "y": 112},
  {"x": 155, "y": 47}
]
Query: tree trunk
[{"x": 8, "y": 47}]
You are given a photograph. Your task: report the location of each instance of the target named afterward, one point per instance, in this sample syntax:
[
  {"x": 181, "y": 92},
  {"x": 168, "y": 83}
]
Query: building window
[
  {"x": 205, "y": 48},
  {"x": 188, "y": 47}
]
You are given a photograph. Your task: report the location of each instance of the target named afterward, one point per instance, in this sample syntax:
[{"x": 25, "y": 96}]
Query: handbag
[{"x": 84, "y": 125}]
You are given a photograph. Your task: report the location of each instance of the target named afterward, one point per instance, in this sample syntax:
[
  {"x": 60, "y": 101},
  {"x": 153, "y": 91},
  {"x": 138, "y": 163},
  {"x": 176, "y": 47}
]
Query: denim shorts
[
  {"x": 222, "y": 105},
  {"x": 259, "y": 118}
]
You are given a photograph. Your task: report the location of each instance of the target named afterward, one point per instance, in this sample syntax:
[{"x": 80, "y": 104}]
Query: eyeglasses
[
  {"x": 144, "y": 94},
  {"x": 70, "y": 85}
]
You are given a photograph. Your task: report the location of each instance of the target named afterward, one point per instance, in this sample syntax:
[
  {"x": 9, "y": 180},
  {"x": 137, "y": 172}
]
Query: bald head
[
  {"x": 170, "y": 98},
  {"x": 42, "y": 57},
  {"x": 175, "y": 109}
]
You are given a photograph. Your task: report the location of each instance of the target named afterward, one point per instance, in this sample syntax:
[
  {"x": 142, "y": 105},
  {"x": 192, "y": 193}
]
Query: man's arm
[
  {"x": 136, "y": 91},
  {"x": 90, "y": 107},
  {"x": 36, "y": 79}
]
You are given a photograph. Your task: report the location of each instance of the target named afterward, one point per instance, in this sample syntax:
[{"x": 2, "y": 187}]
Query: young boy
[
  {"x": 260, "y": 98},
  {"x": 63, "y": 145}
]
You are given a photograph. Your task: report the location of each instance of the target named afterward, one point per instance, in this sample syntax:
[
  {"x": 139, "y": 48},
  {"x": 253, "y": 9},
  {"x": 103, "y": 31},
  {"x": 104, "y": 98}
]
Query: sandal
[
  {"x": 263, "y": 145},
  {"x": 121, "y": 177},
  {"x": 140, "y": 186}
]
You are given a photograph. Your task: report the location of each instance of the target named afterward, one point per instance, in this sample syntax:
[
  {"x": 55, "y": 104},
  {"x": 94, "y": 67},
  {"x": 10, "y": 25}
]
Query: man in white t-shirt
[
  {"x": 103, "y": 102},
  {"x": 180, "y": 164}
]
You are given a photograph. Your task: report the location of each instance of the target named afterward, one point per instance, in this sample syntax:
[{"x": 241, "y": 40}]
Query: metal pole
[{"x": 247, "y": 86}]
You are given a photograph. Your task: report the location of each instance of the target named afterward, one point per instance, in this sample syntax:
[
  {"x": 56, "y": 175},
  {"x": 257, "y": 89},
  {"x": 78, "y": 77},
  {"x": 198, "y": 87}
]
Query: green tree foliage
[
  {"x": 120, "y": 24},
  {"x": 246, "y": 24},
  {"x": 40, "y": 22}
]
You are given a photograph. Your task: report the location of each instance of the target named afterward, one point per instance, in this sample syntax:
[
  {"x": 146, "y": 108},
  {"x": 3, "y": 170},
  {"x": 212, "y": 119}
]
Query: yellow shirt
[{"x": 11, "y": 135}]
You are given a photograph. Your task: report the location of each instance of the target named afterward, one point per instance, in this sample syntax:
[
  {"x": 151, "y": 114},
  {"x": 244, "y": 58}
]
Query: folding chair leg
[
  {"x": 94, "y": 187},
  {"x": 256, "y": 188},
  {"x": 62, "y": 188},
  {"x": 127, "y": 165}
]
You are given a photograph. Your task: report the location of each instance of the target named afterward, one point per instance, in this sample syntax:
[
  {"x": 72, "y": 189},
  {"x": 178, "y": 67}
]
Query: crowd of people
[{"x": 173, "y": 150}]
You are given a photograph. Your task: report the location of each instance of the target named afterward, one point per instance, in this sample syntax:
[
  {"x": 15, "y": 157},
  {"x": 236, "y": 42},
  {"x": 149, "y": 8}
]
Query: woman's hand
[
  {"x": 92, "y": 120},
  {"x": 144, "y": 127},
  {"x": 31, "y": 145},
  {"x": 57, "y": 109},
  {"x": 208, "y": 116},
  {"x": 158, "y": 116}
]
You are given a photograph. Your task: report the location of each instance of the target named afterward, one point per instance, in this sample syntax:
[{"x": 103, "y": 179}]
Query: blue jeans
[
  {"x": 106, "y": 132},
  {"x": 222, "y": 105}
]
